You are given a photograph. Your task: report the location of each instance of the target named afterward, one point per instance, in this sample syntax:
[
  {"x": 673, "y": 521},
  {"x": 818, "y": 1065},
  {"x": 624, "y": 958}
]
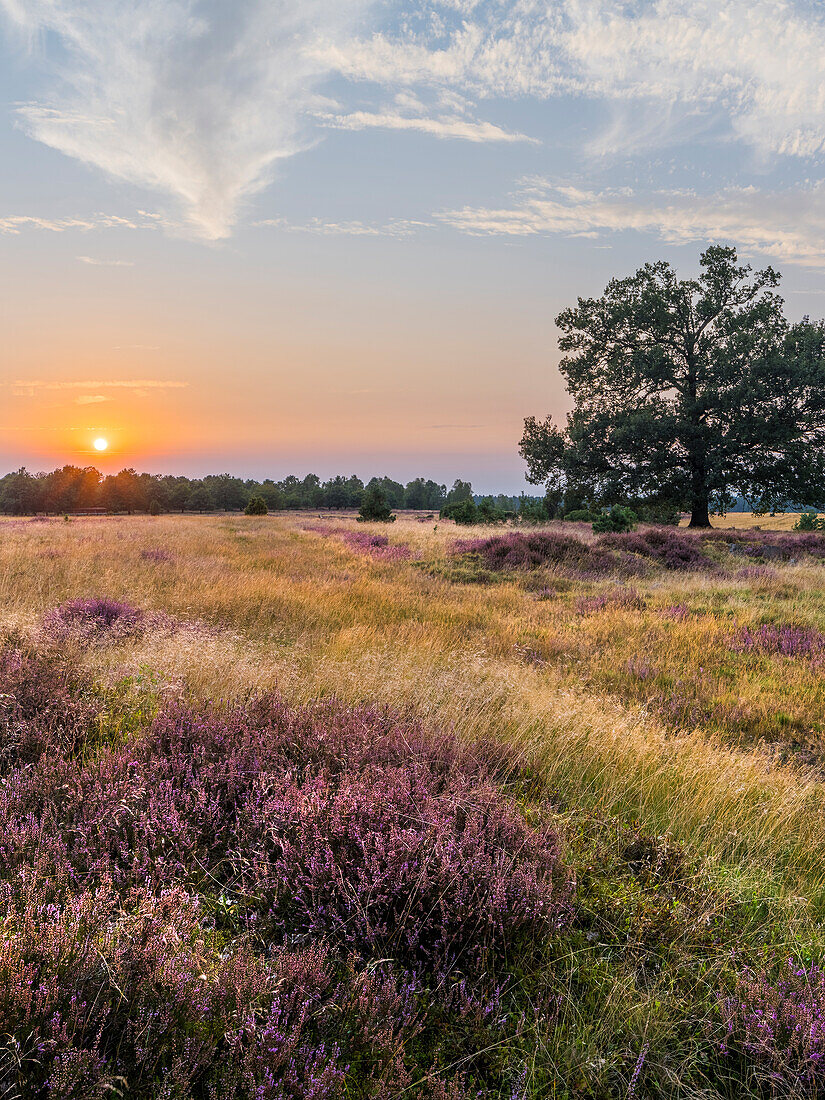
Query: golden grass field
[
  {"x": 310, "y": 617},
  {"x": 737, "y": 781}
]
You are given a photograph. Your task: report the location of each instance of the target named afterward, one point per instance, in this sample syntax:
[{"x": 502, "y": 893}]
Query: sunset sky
[{"x": 274, "y": 236}]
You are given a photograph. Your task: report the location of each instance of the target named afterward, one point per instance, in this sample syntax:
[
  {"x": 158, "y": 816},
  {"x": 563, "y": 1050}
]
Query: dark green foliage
[
  {"x": 687, "y": 390},
  {"x": 810, "y": 521},
  {"x": 617, "y": 520},
  {"x": 531, "y": 511},
  {"x": 154, "y": 507},
  {"x": 660, "y": 513},
  {"x": 580, "y": 515},
  {"x": 461, "y": 490},
  {"x": 256, "y": 507},
  {"x": 490, "y": 513},
  {"x": 463, "y": 512},
  {"x": 375, "y": 508}
]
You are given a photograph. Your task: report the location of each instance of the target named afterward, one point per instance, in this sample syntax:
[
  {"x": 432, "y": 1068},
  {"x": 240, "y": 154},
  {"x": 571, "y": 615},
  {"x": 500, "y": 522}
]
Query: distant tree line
[{"x": 75, "y": 489}]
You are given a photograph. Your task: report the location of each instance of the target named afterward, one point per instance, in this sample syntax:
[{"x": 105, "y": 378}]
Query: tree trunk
[{"x": 699, "y": 515}]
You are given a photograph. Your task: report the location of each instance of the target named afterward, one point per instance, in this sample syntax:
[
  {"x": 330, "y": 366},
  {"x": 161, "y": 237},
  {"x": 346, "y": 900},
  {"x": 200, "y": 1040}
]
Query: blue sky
[{"x": 303, "y": 234}]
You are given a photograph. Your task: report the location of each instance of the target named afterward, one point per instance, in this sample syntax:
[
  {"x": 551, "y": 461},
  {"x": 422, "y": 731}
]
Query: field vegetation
[{"x": 294, "y": 807}]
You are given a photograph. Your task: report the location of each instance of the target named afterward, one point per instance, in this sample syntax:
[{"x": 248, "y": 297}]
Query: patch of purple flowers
[
  {"x": 157, "y": 554},
  {"x": 263, "y": 902},
  {"x": 374, "y": 546},
  {"x": 662, "y": 545},
  {"x": 780, "y": 1024},
  {"x": 522, "y": 550},
  {"x": 781, "y": 639},
  {"x": 623, "y": 599},
  {"x": 95, "y": 620}
]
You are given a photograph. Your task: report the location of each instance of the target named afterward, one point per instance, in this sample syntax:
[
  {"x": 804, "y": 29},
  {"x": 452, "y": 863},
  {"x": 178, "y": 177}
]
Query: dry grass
[{"x": 291, "y": 609}]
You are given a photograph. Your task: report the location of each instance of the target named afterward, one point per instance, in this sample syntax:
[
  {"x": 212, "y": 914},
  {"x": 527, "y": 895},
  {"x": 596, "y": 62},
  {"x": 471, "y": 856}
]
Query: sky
[{"x": 274, "y": 236}]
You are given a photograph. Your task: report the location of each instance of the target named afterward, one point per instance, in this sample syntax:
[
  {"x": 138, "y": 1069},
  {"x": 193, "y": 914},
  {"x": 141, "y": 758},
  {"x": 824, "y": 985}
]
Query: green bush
[
  {"x": 256, "y": 507},
  {"x": 662, "y": 514},
  {"x": 810, "y": 521},
  {"x": 580, "y": 515},
  {"x": 489, "y": 513},
  {"x": 532, "y": 511},
  {"x": 617, "y": 520},
  {"x": 462, "y": 512},
  {"x": 375, "y": 508},
  {"x": 154, "y": 507}
]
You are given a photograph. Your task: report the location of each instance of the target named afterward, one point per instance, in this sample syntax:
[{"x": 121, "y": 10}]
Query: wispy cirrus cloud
[
  {"x": 401, "y": 227},
  {"x": 94, "y": 261},
  {"x": 755, "y": 68},
  {"x": 91, "y": 399},
  {"x": 31, "y": 387},
  {"x": 444, "y": 126},
  {"x": 198, "y": 99},
  {"x": 787, "y": 225},
  {"x": 201, "y": 100}
]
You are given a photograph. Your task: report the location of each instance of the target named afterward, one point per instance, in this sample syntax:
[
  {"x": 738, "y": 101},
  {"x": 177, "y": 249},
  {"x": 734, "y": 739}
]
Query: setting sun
[{"x": 101, "y": 444}]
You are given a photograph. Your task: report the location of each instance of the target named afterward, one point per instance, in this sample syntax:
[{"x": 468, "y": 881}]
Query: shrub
[
  {"x": 488, "y": 512},
  {"x": 98, "y": 620},
  {"x": 779, "y": 1023},
  {"x": 462, "y": 512},
  {"x": 782, "y": 639},
  {"x": 44, "y": 706},
  {"x": 532, "y": 511},
  {"x": 375, "y": 508},
  {"x": 810, "y": 521},
  {"x": 672, "y": 549},
  {"x": 580, "y": 515},
  {"x": 256, "y": 507},
  {"x": 264, "y": 902},
  {"x": 660, "y": 514},
  {"x": 520, "y": 550},
  {"x": 154, "y": 507},
  {"x": 617, "y": 519}
]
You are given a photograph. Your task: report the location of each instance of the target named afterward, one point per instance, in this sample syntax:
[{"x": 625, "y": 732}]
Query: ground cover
[{"x": 647, "y": 747}]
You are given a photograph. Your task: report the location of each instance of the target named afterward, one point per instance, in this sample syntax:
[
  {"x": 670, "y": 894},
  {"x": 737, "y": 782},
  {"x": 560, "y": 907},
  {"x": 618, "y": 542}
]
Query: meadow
[{"x": 293, "y": 807}]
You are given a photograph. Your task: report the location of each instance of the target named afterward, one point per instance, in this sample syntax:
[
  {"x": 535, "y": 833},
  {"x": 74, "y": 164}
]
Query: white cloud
[
  {"x": 399, "y": 227},
  {"x": 91, "y": 399},
  {"x": 16, "y": 223},
  {"x": 444, "y": 127},
  {"x": 94, "y": 262},
  {"x": 198, "y": 99},
  {"x": 754, "y": 66},
  {"x": 788, "y": 226},
  {"x": 32, "y": 386}
]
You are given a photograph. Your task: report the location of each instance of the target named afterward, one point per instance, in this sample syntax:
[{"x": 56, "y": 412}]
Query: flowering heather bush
[
  {"x": 43, "y": 707},
  {"x": 783, "y": 639},
  {"x": 157, "y": 555},
  {"x": 94, "y": 620},
  {"x": 104, "y": 622},
  {"x": 678, "y": 611},
  {"x": 262, "y": 902},
  {"x": 522, "y": 550},
  {"x": 780, "y": 1024},
  {"x": 772, "y": 545},
  {"x": 375, "y": 546},
  {"x": 626, "y": 599},
  {"x": 665, "y": 546}
]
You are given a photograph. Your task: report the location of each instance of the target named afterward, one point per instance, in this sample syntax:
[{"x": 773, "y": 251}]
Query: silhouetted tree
[{"x": 685, "y": 390}]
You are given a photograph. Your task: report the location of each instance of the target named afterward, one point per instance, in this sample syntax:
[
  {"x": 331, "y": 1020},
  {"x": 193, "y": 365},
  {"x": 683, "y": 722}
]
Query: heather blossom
[
  {"x": 262, "y": 901},
  {"x": 780, "y": 1024}
]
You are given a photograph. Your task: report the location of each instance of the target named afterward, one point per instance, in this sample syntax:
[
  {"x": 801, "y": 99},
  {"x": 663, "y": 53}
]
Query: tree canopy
[{"x": 686, "y": 391}]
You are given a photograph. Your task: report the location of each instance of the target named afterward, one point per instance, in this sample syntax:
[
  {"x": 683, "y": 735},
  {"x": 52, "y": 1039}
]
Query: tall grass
[{"x": 312, "y": 617}]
